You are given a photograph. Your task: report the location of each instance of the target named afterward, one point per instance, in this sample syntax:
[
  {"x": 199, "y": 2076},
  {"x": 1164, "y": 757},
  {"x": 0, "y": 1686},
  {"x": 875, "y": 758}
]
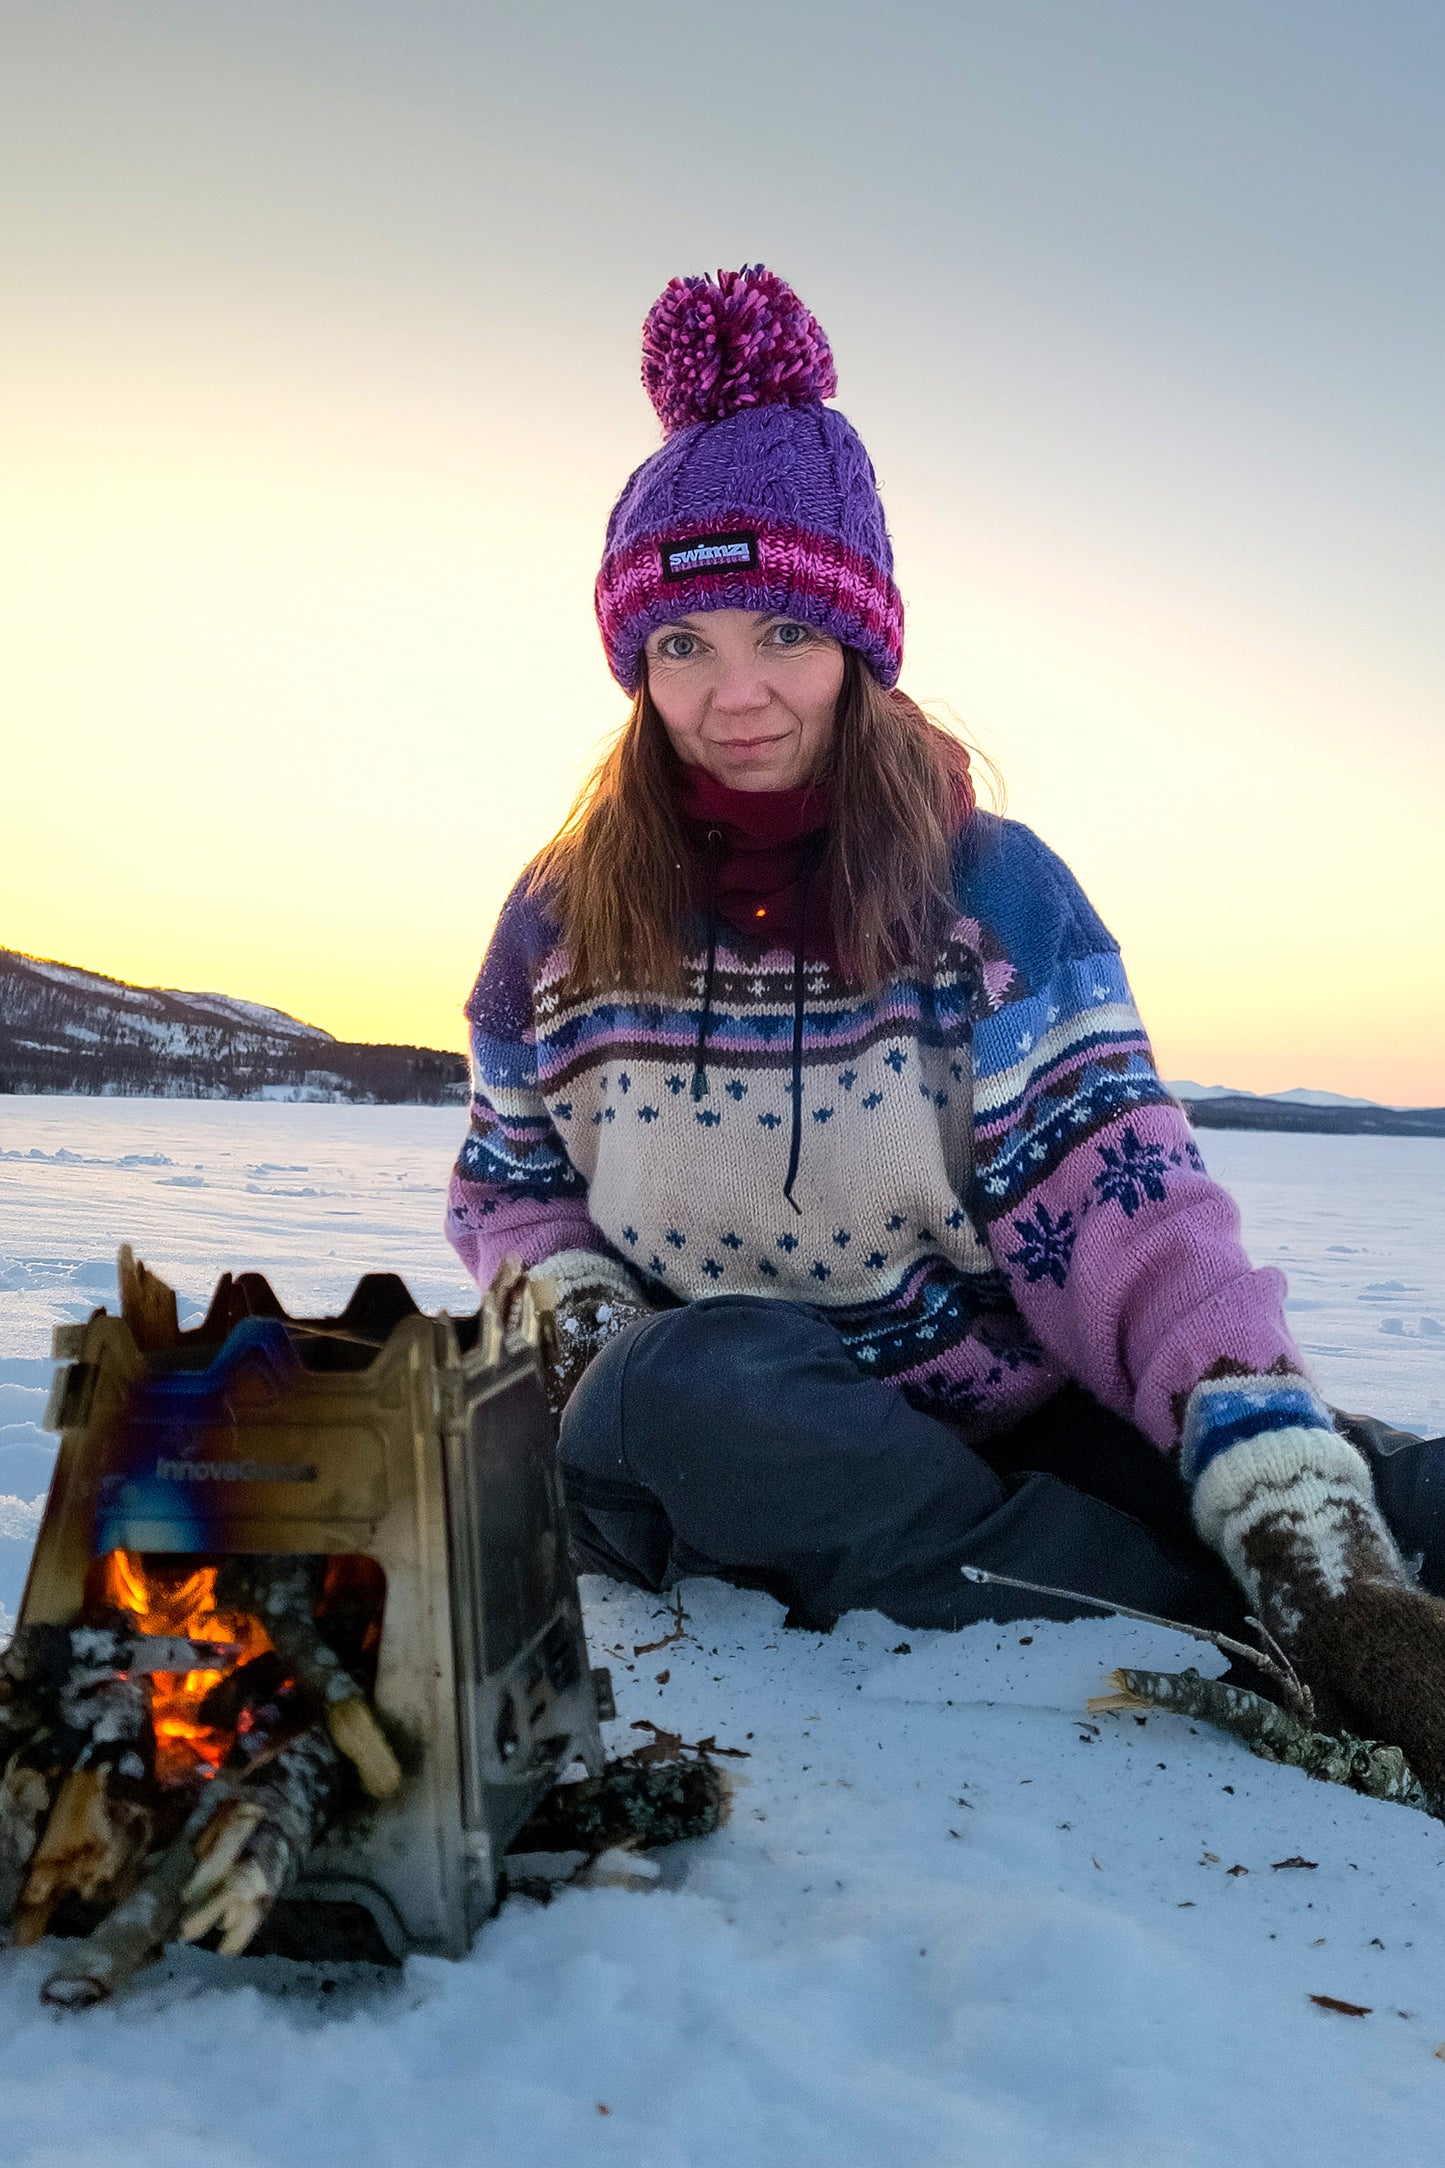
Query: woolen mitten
[
  {"x": 1292, "y": 1512},
  {"x": 592, "y": 1298}
]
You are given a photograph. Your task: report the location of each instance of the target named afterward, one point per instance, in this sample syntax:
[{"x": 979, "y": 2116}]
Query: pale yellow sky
[{"x": 321, "y": 377}]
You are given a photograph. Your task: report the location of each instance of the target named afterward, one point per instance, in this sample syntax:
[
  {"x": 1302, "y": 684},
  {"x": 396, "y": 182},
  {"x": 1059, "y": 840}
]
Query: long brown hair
[{"x": 616, "y": 874}]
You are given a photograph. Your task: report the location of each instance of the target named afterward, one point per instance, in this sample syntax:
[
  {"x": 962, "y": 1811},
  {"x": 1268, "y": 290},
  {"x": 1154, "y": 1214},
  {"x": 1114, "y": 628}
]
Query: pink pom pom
[{"x": 710, "y": 349}]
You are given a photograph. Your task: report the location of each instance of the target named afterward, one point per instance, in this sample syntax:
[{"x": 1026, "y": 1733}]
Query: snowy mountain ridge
[
  {"x": 1300, "y": 1096},
  {"x": 147, "y": 1004}
]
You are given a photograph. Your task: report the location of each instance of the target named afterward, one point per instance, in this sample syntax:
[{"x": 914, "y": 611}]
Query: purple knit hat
[{"x": 761, "y": 498}]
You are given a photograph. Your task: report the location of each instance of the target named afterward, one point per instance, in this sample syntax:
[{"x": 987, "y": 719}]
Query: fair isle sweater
[{"x": 995, "y": 1191}]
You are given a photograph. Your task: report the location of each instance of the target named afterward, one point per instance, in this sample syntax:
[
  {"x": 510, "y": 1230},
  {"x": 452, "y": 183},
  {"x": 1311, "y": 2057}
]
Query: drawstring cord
[
  {"x": 704, "y": 1022},
  {"x": 800, "y": 988}
]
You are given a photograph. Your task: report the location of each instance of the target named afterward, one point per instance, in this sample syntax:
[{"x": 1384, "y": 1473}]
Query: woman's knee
[
  {"x": 681, "y": 1367},
  {"x": 696, "y": 1381},
  {"x": 723, "y": 1351},
  {"x": 731, "y": 1364}
]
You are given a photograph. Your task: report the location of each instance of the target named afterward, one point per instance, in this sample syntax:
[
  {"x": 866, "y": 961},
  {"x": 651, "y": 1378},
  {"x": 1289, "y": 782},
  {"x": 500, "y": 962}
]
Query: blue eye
[
  {"x": 676, "y": 646},
  {"x": 791, "y": 635}
]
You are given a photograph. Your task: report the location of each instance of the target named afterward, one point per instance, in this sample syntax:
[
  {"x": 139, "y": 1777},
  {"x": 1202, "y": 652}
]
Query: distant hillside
[
  {"x": 1242, "y": 1110},
  {"x": 1299, "y": 1096},
  {"x": 66, "y": 1030}
]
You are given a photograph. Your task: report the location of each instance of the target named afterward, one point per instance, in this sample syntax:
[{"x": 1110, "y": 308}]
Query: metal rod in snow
[{"x": 1258, "y": 1657}]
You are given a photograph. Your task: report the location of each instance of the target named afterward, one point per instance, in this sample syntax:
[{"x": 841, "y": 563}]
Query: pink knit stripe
[
  {"x": 859, "y": 620},
  {"x": 777, "y": 539},
  {"x": 741, "y": 1052},
  {"x": 790, "y": 559},
  {"x": 816, "y": 575},
  {"x": 894, "y": 1015},
  {"x": 899, "y": 1006},
  {"x": 835, "y": 587}
]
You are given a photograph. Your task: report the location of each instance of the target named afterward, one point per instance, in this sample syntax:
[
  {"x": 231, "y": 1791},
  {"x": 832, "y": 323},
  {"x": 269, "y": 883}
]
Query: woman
[{"x": 878, "y": 1246}]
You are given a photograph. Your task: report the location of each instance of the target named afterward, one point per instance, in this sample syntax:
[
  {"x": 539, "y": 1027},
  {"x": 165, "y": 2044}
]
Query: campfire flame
[{"x": 175, "y": 1601}]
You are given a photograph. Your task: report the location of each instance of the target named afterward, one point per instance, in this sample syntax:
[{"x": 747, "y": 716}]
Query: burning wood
[
  {"x": 92, "y": 1841},
  {"x": 281, "y": 1591},
  {"x": 207, "y": 1719},
  {"x": 262, "y": 1846},
  {"x": 141, "y": 1924},
  {"x": 218, "y": 1851},
  {"x": 243, "y": 1844},
  {"x": 178, "y": 1607},
  {"x": 100, "y": 1825},
  {"x": 84, "y": 1737}
]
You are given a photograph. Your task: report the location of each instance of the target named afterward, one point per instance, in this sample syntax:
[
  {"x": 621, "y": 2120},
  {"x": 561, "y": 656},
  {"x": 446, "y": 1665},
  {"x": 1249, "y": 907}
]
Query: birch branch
[
  {"x": 264, "y": 1844},
  {"x": 141, "y": 1925},
  {"x": 1275, "y": 1734},
  {"x": 278, "y": 1589}
]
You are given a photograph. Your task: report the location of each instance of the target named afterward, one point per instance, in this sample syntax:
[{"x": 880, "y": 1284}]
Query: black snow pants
[{"x": 735, "y": 1436}]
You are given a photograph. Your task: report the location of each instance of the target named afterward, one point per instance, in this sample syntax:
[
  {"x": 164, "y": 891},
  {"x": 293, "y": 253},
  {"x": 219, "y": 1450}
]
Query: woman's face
[{"x": 746, "y": 695}]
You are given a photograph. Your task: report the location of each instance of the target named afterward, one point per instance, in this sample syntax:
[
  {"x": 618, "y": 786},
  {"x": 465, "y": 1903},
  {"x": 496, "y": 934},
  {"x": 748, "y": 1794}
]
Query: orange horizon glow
[
  {"x": 242, "y": 781},
  {"x": 321, "y": 377}
]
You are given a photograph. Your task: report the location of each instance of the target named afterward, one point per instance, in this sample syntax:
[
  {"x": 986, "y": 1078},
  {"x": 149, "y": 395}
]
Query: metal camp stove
[{"x": 413, "y": 1455}]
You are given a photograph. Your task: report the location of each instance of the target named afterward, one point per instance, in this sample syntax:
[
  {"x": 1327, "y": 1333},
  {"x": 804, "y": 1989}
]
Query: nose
[{"x": 740, "y": 689}]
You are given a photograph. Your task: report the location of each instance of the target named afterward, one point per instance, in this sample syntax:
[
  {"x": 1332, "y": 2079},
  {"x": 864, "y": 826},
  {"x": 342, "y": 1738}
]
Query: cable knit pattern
[
  {"x": 997, "y": 1191},
  {"x": 756, "y": 466}
]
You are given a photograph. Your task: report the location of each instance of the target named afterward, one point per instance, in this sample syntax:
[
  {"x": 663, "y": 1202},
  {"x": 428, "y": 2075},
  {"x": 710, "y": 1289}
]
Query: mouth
[{"x": 741, "y": 748}]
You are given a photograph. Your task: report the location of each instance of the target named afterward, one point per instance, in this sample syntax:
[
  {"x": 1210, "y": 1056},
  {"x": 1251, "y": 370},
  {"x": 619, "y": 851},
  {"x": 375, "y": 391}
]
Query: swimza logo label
[{"x": 709, "y": 553}]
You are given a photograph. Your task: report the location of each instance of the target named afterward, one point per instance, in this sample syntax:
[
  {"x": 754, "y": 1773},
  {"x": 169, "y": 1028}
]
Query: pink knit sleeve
[{"x": 1123, "y": 1255}]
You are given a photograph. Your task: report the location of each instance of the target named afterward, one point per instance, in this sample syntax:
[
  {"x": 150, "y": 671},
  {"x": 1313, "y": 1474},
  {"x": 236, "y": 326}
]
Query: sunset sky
[{"x": 319, "y": 374}]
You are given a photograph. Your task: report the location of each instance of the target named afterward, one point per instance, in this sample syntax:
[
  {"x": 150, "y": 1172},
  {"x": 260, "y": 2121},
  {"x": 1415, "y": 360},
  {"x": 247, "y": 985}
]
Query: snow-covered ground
[{"x": 950, "y": 1922}]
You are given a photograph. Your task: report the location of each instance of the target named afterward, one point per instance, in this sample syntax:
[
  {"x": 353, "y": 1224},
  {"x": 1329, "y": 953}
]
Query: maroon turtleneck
[{"x": 766, "y": 840}]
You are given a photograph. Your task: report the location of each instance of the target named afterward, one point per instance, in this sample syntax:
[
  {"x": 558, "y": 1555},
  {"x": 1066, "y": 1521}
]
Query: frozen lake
[
  {"x": 315, "y": 1195},
  {"x": 950, "y": 1922}
]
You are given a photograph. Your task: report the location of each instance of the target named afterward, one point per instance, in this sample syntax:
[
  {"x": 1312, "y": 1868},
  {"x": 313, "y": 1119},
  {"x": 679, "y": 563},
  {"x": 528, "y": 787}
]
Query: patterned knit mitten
[
  {"x": 593, "y": 1298},
  {"x": 1292, "y": 1512}
]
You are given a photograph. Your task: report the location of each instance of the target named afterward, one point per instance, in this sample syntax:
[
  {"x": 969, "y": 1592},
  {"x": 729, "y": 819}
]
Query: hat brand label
[{"x": 709, "y": 553}]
